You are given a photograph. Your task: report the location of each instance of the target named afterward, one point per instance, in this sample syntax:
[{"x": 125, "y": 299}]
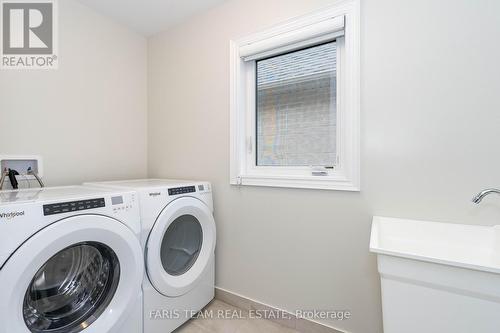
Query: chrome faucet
[{"x": 478, "y": 197}]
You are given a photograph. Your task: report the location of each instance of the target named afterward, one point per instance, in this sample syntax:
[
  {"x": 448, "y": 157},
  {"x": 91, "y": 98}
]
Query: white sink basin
[
  {"x": 438, "y": 277},
  {"x": 461, "y": 245}
]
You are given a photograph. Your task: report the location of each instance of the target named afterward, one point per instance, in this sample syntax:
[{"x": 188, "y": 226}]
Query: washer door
[
  {"x": 80, "y": 274},
  {"x": 180, "y": 245}
]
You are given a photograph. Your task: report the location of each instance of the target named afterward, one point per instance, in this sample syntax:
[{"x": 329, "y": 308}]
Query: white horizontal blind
[
  {"x": 323, "y": 31},
  {"x": 296, "y": 108}
]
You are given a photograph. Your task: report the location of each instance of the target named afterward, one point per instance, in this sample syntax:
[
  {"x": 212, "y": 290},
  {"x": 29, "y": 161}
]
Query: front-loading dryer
[
  {"x": 178, "y": 238},
  {"x": 70, "y": 261}
]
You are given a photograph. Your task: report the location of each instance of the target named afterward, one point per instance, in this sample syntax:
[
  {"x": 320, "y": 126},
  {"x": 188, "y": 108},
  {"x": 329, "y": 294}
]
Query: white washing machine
[
  {"x": 70, "y": 261},
  {"x": 178, "y": 238}
]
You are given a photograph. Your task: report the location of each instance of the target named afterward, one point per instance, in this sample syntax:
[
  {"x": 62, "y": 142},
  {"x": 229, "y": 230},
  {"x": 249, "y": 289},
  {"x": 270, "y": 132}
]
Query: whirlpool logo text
[{"x": 11, "y": 215}]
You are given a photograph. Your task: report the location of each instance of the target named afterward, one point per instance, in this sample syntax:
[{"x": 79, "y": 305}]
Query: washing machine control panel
[
  {"x": 72, "y": 206},
  {"x": 181, "y": 190}
]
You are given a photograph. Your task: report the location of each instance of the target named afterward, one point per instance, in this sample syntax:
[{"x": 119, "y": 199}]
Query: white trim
[
  {"x": 291, "y": 321},
  {"x": 302, "y": 35},
  {"x": 346, "y": 174}
]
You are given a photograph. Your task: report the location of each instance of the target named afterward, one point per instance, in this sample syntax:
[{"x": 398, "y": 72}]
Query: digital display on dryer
[{"x": 117, "y": 200}]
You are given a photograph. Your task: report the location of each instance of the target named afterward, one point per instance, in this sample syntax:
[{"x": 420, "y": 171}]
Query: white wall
[
  {"x": 88, "y": 118},
  {"x": 430, "y": 140}
]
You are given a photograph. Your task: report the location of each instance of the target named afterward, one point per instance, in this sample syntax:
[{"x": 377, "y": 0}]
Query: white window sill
[{"x": 307, "y": 182}]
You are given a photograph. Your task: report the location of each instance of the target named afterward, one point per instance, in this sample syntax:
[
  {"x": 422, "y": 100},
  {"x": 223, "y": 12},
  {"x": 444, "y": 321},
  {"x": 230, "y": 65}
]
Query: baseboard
[{"x": 299, "y": 324}]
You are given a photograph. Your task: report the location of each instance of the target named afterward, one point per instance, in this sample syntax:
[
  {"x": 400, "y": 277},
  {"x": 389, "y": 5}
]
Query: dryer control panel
[{"x": 181, "y": 190}]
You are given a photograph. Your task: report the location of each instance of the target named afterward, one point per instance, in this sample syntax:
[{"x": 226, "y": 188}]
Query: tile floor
[{"x": 215, "y": 324}]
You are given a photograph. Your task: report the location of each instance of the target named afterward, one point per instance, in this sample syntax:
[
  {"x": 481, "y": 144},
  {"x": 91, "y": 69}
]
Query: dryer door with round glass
[
  {"x": 180, "y": 246},
  {"x": 80, "y": 274}
]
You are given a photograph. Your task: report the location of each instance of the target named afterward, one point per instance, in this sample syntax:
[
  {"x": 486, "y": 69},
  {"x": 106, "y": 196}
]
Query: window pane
[{"x": 296, "y": 108}]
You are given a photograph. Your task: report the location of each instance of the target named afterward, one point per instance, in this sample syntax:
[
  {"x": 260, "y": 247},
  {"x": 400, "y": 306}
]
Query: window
[
  {"x": 297, "y": 108},
  {"x": 295, "y": 103}
]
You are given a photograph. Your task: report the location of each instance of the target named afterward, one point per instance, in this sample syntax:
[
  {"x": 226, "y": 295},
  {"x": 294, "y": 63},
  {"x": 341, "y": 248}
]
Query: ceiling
[{"x": 150, "y": 16}]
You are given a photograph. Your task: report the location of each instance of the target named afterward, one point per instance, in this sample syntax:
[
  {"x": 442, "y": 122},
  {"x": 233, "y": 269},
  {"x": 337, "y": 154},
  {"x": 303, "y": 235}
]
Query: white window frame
[{"x": 243, "y": 53}]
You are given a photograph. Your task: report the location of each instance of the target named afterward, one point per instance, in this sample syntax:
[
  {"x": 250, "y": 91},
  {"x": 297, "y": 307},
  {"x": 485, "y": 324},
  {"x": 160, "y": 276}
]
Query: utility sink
[{"x": 437, "y": 277}]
